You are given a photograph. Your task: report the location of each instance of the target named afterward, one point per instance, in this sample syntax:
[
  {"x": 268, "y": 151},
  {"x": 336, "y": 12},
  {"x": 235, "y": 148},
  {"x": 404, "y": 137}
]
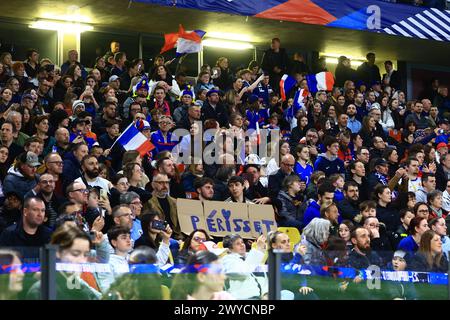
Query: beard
[{"x": 92, "y": 174}]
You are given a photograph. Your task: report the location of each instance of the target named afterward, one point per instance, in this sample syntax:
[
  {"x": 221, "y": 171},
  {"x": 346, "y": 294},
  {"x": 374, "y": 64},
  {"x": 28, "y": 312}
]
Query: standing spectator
[
  {"x": 391, "y": 77},
  {"x": 275, "y": 62},
  {"x": 368, "y": 72},
  {"x": 344, "y": 71},
  {"x": 72, "y": 60},
  {"x": 32, "y": 63}
]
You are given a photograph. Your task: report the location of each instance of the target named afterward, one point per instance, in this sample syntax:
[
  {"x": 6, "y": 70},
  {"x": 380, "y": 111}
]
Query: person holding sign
[{"x": 236, "y": 187}]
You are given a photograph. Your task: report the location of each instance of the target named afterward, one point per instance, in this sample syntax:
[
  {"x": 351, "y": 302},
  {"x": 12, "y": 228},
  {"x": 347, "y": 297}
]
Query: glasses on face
[
  {"x": 199, "y": 239},
  {"x": 164, "y": 122},
  {"x": 126, "y": 215},
  {"x": 59, "y": 163},
  {"x": 136, "y": 202},
  {"x": 288, "y": 164},
  {"x": 81, "y": 190}
]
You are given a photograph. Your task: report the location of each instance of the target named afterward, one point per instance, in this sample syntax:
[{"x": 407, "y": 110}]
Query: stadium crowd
[{"x": 363, "y": 173}]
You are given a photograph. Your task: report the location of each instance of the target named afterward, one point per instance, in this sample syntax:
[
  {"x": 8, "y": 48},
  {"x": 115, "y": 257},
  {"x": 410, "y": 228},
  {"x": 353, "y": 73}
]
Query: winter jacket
[
  {"x": 15, "y": 181},
  {"x": 313, "y": 211},
  {"x": 71, "y": 171},
  {"x": 289, "y": 212}
]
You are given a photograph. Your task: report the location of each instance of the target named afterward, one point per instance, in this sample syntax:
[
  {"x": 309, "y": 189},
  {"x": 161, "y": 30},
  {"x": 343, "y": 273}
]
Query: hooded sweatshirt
[
  {"x": 15, "y": 181},
  {"x": 329, "y": 165}
]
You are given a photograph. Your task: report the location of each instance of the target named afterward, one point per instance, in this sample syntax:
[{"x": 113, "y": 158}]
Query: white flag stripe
[
  {"x": 387, "y": 30},
  {"x": 397, "y": 28},
  {"x": 430, "y": 33},
  {"x": 442, "y": 24},
  {"x": 433, "y": 27},
  {"x": 417, "y": 33},
  {"x": 442, "y": 15},
  {"x": 135, "y": 142}
]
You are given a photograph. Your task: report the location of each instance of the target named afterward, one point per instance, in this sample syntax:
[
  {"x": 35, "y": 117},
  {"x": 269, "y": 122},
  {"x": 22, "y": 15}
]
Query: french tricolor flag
[
  {"x": 320, "y": 81},
  {"x": 133, "y": 139},
  {"x": 286, "y": 84}
]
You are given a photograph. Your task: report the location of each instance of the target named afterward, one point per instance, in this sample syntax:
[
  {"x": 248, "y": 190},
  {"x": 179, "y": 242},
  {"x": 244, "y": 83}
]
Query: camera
[{"x": 159, "y": 225}]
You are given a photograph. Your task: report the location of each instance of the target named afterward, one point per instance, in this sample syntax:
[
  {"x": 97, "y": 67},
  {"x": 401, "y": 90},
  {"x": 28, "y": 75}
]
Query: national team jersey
[
  {"x": 162, "y": 144},
  {"x": 261, "y": 116},
  {"x": 304, "y": 173}
]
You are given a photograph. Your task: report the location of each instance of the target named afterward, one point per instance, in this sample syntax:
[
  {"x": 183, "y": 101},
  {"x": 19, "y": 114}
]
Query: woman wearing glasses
[{"x": 192, "y": 244}]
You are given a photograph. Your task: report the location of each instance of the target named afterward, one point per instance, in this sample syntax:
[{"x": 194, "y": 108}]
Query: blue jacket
[
  {"x": 15, "y": 181},
  {"x": 313, "y": 211},
  {"x": 408, "y": 245},
  {"x": 329, "y": 166},
  {"x": 72, "y": 169}
]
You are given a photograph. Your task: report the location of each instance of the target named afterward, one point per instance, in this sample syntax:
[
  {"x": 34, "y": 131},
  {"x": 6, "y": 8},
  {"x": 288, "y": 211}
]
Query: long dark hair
[
  {"x": 146, "y": 222},
  {"x": 187, "y": 242}
]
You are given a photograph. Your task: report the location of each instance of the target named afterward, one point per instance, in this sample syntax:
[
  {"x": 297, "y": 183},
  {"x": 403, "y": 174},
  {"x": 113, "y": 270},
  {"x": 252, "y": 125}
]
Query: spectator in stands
[
  {"x": 368, "y": 72},
  {"x": 72, "y": 60},
  {"x": 12, "y": 282},
  {"x": 439, "y": 226},
  {"x": 7, "y": 139},
  {"x": 133, "y": 201},
  {"x": 32, "y": 63},
  {"x": 430, "y": 257},
  {"x": 236, "y": 188},
  {"x": 386, "y": 213},
  {"x": 73, "y": 247},
  {"x": 328, "y": 162},
  {"x": 30, "y": 233},
  {"x": 276, "y": 179},
  {"x": 19, "y": 136},
  {"x": 349, "y": 206},
  {"x": 120, "y": 239},
  {"x": 315, "y": 236},
  {"x": 391, "y": 77},
  {"x": 256, "y": 192},
  {"x": 379, "y": 240},
  {"x": 91, "y": 172},
  {"x": 72, "y": 163},
  {"x": 11, "y": 210},
  {"x": 22, "y": 177},
  {"x": 331, "y": 213},
  {"x": 417, "y": 227},
  {"x": 214, "y": 109},
  {"x": 164, "y": 204},
  {"x": 205, "y": 188},
  {"x": 417, "y": 117},
  {"x": 191, "y": 245},
  {"x": 325, "y": 198},
  {"x": 344, "y": 71},
  {"x": 201, "y": 279},
  {"x": 406, "y": 215},
  {"x": 443, "y": 172},
  {"x": 288, "y": 212},
  {"x": 238, "y": 265},
  {"x": 435, "y": 203},
  {"x": 167, "y": 167},
  {"x": 361, "y": 256},
  {"x": 154, "y": 237},
  {"x": 275, "y": 62}
]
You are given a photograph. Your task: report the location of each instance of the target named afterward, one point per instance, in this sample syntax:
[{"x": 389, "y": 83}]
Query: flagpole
[{"x": 132, "y": 123}]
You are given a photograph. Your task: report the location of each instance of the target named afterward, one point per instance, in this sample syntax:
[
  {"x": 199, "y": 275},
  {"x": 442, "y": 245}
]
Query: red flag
[
  {"x": 170, "y": 40},
  {"x": 188, "y": 35}
]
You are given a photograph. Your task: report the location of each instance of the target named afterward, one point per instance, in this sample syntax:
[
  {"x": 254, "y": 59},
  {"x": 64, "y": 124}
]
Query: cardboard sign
[
  {"x": 262, "y": 219},
  {"x": 190, "y": 215},
  {"x": 223, "y": 218}
]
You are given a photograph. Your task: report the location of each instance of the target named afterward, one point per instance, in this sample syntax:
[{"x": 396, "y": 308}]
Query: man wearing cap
[
  {"x": 181, "y": 107},
  {"x": 114, "y": 82},
  {"x": 380, "y": 175},
  {"x": 22, "y": 177},
  {"x": 441, "y": 149},
  {"x": 77, "y": 107},
  {"x": 214, "y": 109}
]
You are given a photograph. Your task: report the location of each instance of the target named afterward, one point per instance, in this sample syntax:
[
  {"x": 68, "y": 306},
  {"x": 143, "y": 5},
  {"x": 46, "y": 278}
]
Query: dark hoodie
[
  {"x": 72, "y": 170},
  {"x": 329, "y": 165}
]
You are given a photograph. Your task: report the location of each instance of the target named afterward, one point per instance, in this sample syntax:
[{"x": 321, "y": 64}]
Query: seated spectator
[
  {"x": 438, "y": 225},
  {"x": 406, "y": 215},
  {"x": 386, "y": 212},
  {"x": 134, "y": 173},
  {"x": 289, "y": 211},
  {"x": 201, "y": 279},
  {"x": 348, "y": 207},
  {"x": 30, "y": 233},
  {"x": 7, "y": 136},
  {"x": 329, "y": 162},
  {"x": 435, "y": 203},
  {"x": 120, "y": 240},
  {"x": 164, "y": 204},
  {"x": 345, "y": 229},
  {"x": 361, "y": 256},
  {"x": 238, "y": 265},
  {"x": 256, "y": 191},
  {"x": 379, "y": 241},
  {"x": 338, "y": 182},
  {"x": 315, "y": 235},
  {"x": 133, "y": 201},
  {"x": 428, "y": 185},
  {"x": 11, "y": 210},
  {"x": 303, "y": 167},
  {"x": 236, "y": 188},
  {"x": 205, "y": 188},
  {"x": 72, "y": 163},
  {"x": 331, "y": 213},
  {"x": 276, "y": 179},
  {"x": 429, "y": 257},
  {"x": 192, "y": 244},
  {"x": 417, "y": 227},
  {"x": 325, "y": 198},
  {"x": 69, "y": 240},
  {"x": 22, "y": 177},
  {"x": 91, "y": 174}
]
